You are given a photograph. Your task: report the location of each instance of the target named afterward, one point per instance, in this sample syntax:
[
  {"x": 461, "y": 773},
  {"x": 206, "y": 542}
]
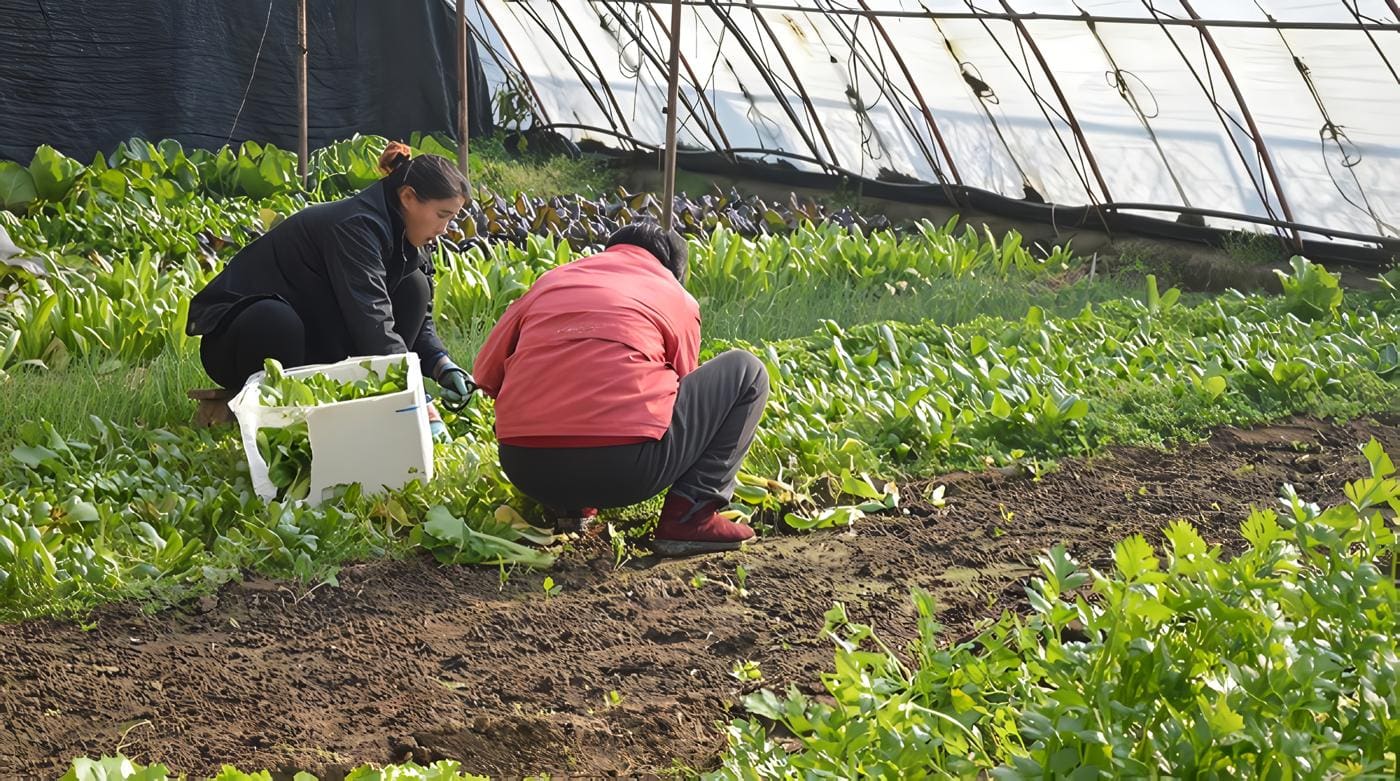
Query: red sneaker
[{"x": 705, "y": 531}]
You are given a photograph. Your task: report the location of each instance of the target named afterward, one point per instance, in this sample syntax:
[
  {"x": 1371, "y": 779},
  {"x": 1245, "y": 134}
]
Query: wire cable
[{"x": 257, "y": 57}]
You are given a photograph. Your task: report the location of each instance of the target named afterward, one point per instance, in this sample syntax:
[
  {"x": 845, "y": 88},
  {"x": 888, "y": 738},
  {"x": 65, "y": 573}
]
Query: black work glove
[{"x": 457, "y": 387}]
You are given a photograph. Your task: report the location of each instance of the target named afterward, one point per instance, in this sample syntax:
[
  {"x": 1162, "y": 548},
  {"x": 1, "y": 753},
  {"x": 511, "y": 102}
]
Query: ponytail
[
  {"x": 432, "y": 177},
  {"x": 395, "y": 155}
]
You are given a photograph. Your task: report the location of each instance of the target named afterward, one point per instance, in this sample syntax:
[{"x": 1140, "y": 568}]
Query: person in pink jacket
[{"x": 601, "y": 400}]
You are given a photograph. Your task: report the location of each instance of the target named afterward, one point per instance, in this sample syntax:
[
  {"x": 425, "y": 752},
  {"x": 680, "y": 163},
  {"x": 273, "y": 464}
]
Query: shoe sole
[{"x": 671, "y": 548}]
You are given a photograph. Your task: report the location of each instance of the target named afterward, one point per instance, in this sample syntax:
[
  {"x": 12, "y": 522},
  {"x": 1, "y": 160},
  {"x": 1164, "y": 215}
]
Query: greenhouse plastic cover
[{"x": 1135, "y": 108}]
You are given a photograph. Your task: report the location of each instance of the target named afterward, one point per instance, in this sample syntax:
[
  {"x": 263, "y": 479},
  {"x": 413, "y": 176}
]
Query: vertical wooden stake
[
  {"x": 672, "y": 90},
  {"x": 463, "y": 74},
  {"x": 302, "y": 128}
]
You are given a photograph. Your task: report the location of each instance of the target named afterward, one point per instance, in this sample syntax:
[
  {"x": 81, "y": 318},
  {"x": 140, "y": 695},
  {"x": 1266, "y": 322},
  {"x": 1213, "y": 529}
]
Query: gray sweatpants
[{"x": 712, "y": 426}]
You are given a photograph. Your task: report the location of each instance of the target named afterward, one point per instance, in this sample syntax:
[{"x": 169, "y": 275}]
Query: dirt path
[{"x": 412, "y": 660}]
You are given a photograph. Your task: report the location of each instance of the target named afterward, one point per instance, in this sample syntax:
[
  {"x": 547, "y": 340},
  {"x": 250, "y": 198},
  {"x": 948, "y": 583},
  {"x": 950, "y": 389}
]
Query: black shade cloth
[{"x": 85, "y": 75}]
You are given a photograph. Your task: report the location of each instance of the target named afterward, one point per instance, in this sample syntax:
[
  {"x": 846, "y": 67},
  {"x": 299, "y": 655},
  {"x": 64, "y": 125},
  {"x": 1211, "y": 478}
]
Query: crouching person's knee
[{"x": 748, "y": 370}]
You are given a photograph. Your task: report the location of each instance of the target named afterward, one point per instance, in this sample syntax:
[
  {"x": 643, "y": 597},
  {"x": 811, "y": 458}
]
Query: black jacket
[{"x": 335, "y": 264}]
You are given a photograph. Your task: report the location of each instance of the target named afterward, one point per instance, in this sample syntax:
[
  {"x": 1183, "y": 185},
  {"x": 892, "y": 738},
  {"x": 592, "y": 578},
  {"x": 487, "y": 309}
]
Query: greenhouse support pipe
[
  {"x": 1263, "y": 148},
  {"x": 1394, "y": 8},
  {"x": 801, "y": 90},
  {"x": 574, "y": 65},
  {"x": 1259, "y": 187},
  {"x": 1100, "y": 209},
  {"x": 1250, "y": 218},
  {"x": 1354, "y": 7},
  {"x": 490, "y": 50},
  {"x": 673, "y": 88},
  {"x": 1130, "y": 98},
  {"x": 519, "y": 64},
  {"x": 588, "y": 52},
  {"x": 772, "y": 85},
  {"x": 303, "y": 118},
  {"x": 919, "y": 96},
  {"x": 699, "y": 90},
  {"x": 1039, "y": 17},
  {"x": 463, "y": 128},
  {"x": 636, "y": 33},
  {"x": 1027, "y": 79},
  {"x": 1064, "y": 102},
  {"x": 859, "y": 53}
]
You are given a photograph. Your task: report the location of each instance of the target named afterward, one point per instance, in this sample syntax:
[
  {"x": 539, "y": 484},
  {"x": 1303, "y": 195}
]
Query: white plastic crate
[{"x": 380, "y": 442}]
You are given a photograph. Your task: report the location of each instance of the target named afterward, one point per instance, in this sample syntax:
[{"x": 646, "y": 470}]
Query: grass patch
[
  {"x": 797, "y": 312},
  {"x": 153, "y": 395},
  {"x": 545, "y": 176},
  {"x": 1253, "y": 249}
]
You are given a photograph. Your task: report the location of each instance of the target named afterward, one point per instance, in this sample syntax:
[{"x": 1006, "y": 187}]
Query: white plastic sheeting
[{"x": 1135, "y": 108}]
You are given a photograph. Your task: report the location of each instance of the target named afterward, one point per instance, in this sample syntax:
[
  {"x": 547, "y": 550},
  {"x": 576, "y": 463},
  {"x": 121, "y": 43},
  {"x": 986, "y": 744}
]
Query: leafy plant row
[
  {"x": 165, "y": 172},
  {"x": 1280, "y": 662},
  {"x": 132, "y": 308},
  {"x": 68, "y": 203},
  {"x": 926, "y": 398},
  {"x": 129, "y": 510},
  {"x": 89, "y": 519}
]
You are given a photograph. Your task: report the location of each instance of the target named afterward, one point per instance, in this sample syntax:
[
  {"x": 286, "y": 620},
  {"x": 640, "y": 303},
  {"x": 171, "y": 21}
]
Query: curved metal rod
[
  {"x": 699, "y": 90},
  {"x": 1219, "y": 112},
  {"x": 1064, "y": 102},
  {"x": 636, "y": 33},
  {"x": 768, "y": 79},
  {"x": 519, "y": 64},
  {"x": 887, "y": 88},
  {"x": 1251, "y": 218},
  {"x": 588, "y": 52},
  {"x": 1126, "y": 92},
  {"x": 486, "y": 46},
  {"x": 1040, "y": 103},
  {"x": 1259, "y": 144},
  {"x": 797, "y": 81},
  {"x": 583, "y": 79},
  {"x": 976, "y": 15},
  {"x": 918, "y": 95},
  {"x": 1355, "y": 9},
  {"x": 850, "y": 38}
]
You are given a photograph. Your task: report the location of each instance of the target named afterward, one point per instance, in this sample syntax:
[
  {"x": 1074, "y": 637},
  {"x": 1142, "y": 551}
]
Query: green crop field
[{"x": 897, "y": 353}]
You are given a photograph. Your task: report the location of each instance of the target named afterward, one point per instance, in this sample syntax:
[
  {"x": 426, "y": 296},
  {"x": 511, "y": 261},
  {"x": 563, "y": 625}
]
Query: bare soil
[{"x": 412, "y": 660}]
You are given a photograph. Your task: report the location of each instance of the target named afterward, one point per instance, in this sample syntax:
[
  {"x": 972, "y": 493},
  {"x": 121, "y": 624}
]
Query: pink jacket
[{"x": 593, "y": 353}]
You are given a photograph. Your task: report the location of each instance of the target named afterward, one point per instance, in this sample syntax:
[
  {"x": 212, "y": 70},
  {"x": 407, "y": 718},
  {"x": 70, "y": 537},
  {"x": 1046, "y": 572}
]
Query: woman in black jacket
[{"x": 350, "y": 277}]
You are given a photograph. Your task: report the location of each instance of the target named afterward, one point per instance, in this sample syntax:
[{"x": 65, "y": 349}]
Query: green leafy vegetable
[{"x": 1279, "y": 662}]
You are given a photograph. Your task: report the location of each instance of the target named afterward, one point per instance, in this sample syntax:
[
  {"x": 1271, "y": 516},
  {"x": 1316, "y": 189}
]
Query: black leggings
[{"x": 270, "y": 328}]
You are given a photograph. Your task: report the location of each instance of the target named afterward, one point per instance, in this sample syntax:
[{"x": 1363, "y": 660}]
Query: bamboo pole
[
  {"x": 672, "y": 91},
  {"x": 463, "y": 77}
]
